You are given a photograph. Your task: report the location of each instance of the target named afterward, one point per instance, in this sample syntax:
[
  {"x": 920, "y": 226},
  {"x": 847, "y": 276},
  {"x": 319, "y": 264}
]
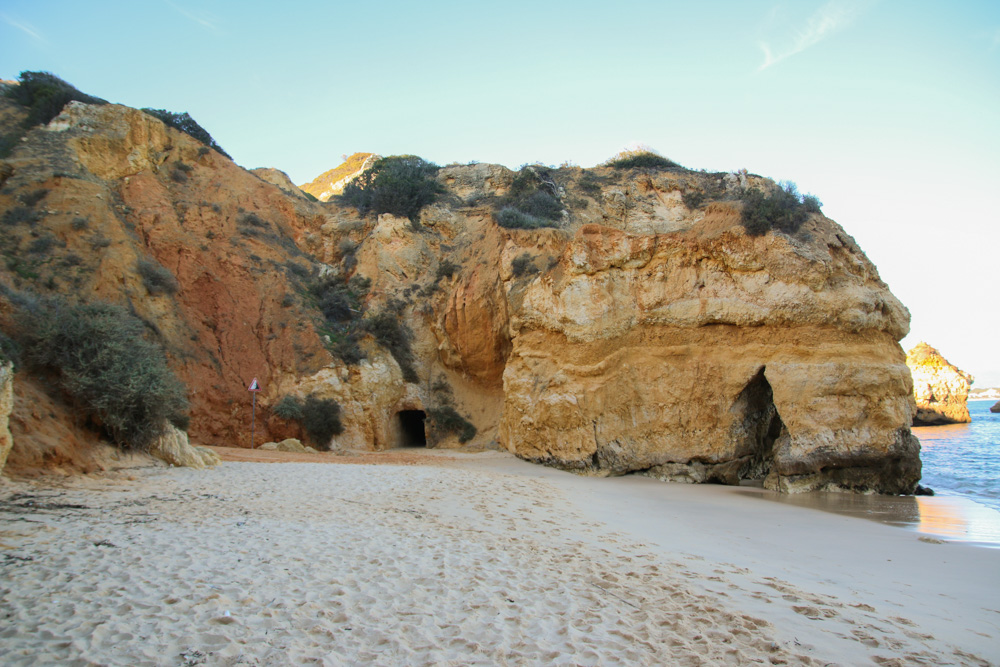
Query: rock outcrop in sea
[
  {"x": 941, "y": 390},
  {"x": 639, "y": 327}
]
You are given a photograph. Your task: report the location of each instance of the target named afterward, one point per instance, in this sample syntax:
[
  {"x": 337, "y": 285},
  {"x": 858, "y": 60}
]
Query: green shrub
[
  {"x": 45, "y": 95},
  {"x": 80, "y": 223},
  {"x": 523, "y": 264},
  {"x": 19, "y": 215},
  {"x": 321, "y": 420},
  {"x": 186, "y": 124},
  {"x": 447, "y": 420},
  {"x": 400, "y": 185},
  {"x": 156, "y": 278},
  {"x": 640, "y": 159},
  {"x": 392, "y": 334},
  {"x": 446, "y": 269},
  {"x": 289, "y": 407},
  {"x": 590, "y": 184},
  {"x": 100, "y": 357},
  {"x": 178, "y": 176},
  {"x": 782, "y": 208},
  {"x": 346, "y": 345},
  {"x": 32, "y": 198},
  {"x": 693, "y": 198},
  {"x": 252, "y": 220},
  {"x": 43, "y": 244},
  {"x": 531, "y": 202},
  {"x": 339, "y": 300}
]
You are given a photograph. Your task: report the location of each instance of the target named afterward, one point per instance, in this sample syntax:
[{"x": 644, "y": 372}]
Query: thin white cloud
[
  {"x": 833, "y": 16},
  {"x": 23, "y": 27},
  {"x": 200, "y": 20}
]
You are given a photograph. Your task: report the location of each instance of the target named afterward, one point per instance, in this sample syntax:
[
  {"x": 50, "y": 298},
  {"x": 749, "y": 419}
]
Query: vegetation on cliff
[
  {"x": 45, "y": 95},
  {"x": 782, "y": 208},
  {"x": 103, "y": 360},
  {"x": 400, "y": 185},
  {"x": 188, "y": 125},
  {"x": 642, "y": 158},
  {"x": 532, "y": 202}
]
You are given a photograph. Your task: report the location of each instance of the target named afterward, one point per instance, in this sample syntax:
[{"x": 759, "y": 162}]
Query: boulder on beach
[{"x": 288, "y": 445}]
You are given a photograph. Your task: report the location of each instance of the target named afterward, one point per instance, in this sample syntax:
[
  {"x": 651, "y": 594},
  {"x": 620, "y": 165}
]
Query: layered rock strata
[
  {"x": 713, "y": 357},
  {"x": 645, "y": 331},
  {"x": 940, "y": 389}
]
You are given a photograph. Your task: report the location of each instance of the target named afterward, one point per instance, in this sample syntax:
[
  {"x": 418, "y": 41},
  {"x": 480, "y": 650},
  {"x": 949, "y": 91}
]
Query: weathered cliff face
[
  {"x": 708, "y": 355},
  {"x": 119, "y": 187},
  {"x": 280, "y": 179},
  {"x": 645, "y": 331},
  {"x": 941, "y": 390}
]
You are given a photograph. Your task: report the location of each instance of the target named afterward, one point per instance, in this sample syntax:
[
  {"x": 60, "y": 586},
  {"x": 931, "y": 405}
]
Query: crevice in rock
[{"x": 756, "y": 427}]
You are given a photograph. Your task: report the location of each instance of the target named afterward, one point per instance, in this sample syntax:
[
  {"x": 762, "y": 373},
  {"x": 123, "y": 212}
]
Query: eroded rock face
[
  {"x": 644, "y": 332},
  {"x": 714, "y": 357},
  {"x": 6, "y": 407},
  {"x": 941, "y": 390}
]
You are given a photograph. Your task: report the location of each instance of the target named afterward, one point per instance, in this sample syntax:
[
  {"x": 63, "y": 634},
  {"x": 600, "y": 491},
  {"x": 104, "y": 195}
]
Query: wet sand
[{"x": 469, "y": 559}]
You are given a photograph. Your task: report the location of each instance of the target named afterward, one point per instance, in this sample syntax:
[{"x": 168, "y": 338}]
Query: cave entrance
[
  {"x": 757, "y": 427},
  {"x": 411, "y": 428}
]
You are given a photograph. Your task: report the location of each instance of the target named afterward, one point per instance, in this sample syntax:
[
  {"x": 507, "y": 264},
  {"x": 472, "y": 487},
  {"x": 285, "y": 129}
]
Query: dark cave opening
[
  {"x": 411, "y": 428},
  {"x": 757, "y": 426}
]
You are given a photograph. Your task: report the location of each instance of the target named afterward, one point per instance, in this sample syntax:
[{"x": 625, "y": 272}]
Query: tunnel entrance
[
  {"x": 757, "y": 427},
  {"x": 411, "y": 428}
]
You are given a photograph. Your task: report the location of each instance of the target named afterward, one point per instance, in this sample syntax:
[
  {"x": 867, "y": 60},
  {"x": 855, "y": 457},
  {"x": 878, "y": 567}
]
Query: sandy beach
[{"x": 461, "y": 559}]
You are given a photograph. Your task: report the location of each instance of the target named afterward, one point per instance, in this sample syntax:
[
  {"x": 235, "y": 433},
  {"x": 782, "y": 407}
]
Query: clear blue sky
[{"x": 888, "y": 110}]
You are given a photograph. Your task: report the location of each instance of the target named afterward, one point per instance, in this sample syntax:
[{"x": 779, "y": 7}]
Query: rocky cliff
[
  {"x": 941, "y": 390},
  {"x": 640, "y": 328},
  {"x": 331, "y": 183}
]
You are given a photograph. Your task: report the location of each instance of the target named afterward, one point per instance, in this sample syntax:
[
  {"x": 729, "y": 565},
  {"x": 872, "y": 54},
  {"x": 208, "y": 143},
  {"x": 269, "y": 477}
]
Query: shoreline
[{"x": 476, "y": 558}]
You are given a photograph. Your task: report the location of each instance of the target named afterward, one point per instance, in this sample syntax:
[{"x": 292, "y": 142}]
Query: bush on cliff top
[
  {"x": 44, "y": 94},
  {"x": 400, "y": 185},
  {"x": 189, "y": 126},
  {"x": 531, "y": 202},
  {"x": 100, "y": 357},
  {"x": 783, "y": 209},
  {"x": 642, "y": 158}
]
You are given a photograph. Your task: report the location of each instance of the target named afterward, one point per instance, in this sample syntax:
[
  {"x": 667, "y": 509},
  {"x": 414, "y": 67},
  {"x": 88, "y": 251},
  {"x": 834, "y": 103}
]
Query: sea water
[{"x": 964, "y": 459}]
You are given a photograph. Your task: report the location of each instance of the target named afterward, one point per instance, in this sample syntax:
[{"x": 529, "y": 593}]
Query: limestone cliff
[
  {"x": 941, "y": 390},
  {"x": 280, "y": 179},
  {"x": 332, "y": 182},
  {"x": 639, "y": 329}
]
